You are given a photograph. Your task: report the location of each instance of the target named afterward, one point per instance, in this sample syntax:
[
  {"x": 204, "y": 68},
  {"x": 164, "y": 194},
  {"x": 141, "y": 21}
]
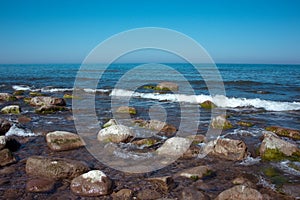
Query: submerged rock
[
  {"x": 196, "y": 173},
  {"x": 18, "y": 92},
  {"x": 292, "y": 189},
  {"x": 62, "y": 140},
  {"x": 220, "y": 122},
  {"x": 208, "y": 105},
  {"x": 35, "y": 94},
  {"x": 175, "y": 146},
  {"x": 167, "y": 86},
  {"x": 148, "y": 142},
  {"x": 274, "y": 148},
  {"x": 245, "y": 124},
  {"x": 110, "y": 122},
  {"x": 49, "y": 109},
  {"x": 126, "y": 109},
  {"x": 93, "y": 183},
  {"x": 6, "y": 157},
  {"x": 228, "y": 149},
  {"x": 2, "y": 141},
  {"x": 240, "y": 192},
  {"x": 285, "y": 132},
  {"x": 54, "y": 168},
  {"x": 157, "y": 125},
  {"x": 115, "y": 133},
  {"x": 7, "y": 97},
  {"x": 12, "y": 109},
  {"x": 4, "y": 126},
  {"x": 39, "y": 185},
  {"x": 47, "y": 101}
]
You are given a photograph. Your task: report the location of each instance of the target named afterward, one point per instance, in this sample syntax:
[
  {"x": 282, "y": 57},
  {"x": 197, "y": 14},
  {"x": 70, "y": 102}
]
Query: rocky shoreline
[{"x": 54, "y": 164}]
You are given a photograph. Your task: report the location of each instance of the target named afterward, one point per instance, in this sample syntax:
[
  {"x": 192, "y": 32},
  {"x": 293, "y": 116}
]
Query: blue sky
[{"x": 63, "y": 31}]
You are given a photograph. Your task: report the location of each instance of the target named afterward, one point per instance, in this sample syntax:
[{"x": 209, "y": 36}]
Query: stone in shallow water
[
  {"x": 47, "y": 101},
  {"x": 228, "y": 149},
  {"x": 285, "y": 132},
  {"x": 62, "y": 140},
  {"x": 148, "y": 194},
  {"x": 196, "y": 172},
  {"x": 4, "y": 126},
  {"x": 39, "y": 185},
  {"x": 164, "y": 183},
  {"x": 54, "y": 168},
  {"x": 167, "y": 86},
  {"x": 12, "y": 109},
  {"x": 93, "y": 183},
  {"x": 6, "y": 157},
  {"x": 240, "y": 192},
  {"x": 115, "y": 133},
  {"x": 126, "y": 109},
  {"x": 220, "y": 122},
  {"x": 123, "y": 194},
  {"x": 2, "y": 141},
  {"x": 208, "y": 105},
  {"x": 175, "y": 146},
  {"x": 192, "y": 194},
  {"x": 6, "y": 97},
  {"x": 110, "y": 123}
]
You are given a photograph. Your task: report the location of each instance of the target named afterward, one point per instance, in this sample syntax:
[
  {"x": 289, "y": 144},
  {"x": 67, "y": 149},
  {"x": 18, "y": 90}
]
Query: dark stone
[
  {"x": 6, "y": 157},
  {"x": 4, "y": 126},
  {"x": 39, "y": 185}
]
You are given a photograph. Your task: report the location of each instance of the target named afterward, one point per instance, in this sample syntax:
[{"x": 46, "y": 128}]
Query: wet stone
[
  {"x": 192, "y": 194},
  {"x": 123, "y": 194},
  {"x": 165, "y": 183},
  {"x": 62, "y": 140},
  {"x": 4, "y": 126},
  {"x": 240, "y": 192},
  {"x": 148, "y": 194},
  {"x": 6, "y": 157},
  {"x": 39, "y": 185},
  {"x": 2, "y": 141}
]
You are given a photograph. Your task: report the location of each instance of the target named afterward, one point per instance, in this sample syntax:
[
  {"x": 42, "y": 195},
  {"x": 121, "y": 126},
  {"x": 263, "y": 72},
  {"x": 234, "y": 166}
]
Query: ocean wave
[
  {"x": 21, "y": 87},
  {"x": 14, "y": 130},
  {"x": 53, "y": 90},
  {"x": 220, "y": 100}
]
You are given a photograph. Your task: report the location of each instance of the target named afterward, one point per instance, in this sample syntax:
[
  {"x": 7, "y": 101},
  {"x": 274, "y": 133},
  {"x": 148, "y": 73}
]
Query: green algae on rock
[
  {"x": 245, "y": 124},
  {"x": 208, "y": 105},
  {"x": 220, "y": 122},
  {"x": 285, "y": 132},
  {"x": 12, "y": 109}
]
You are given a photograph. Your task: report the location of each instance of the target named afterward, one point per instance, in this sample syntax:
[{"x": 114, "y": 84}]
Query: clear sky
[{"x": 65, "y": 31}]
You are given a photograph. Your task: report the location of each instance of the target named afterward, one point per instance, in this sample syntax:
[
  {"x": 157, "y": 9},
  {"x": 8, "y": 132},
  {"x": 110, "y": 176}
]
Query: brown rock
[
  {"x": 192, "y": 194},
  {"x": 227, "y": 148},
  {"x": 6, "y": 157},
  {"x": 292, "y": 190},
  {"x": 62, "y": 140},
  {"x": 165, "y": 183},
  {"x": 240, "y": 192},
  {"x": 47, "y": 101},
  {"x": 54, "y": 168},
  {"x": 93, "y": 183},
  {"x": 39, "y": 185},
  {"x": 167, "y": 86},
  {"x": 148, "y": 194},
  {"x": 6, "y": 97},
  {"x": 48, "y": 109},
  {"x": 242, "y": 181},
  {"x": 145, "y": 142},
  {"x": 285, "y": 132},
  {"x": 123, "y": 194},
  {"x": 24, "y": 119},
  {"x": 4, "y": 126}
]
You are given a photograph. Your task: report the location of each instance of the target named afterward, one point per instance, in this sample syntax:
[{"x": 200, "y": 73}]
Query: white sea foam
[
  {"x": 52, "y": 90},
  {"x": 21, "y": 87},
  {"x": 14, "y": 130},
  {"x": 220, "y": 100}
]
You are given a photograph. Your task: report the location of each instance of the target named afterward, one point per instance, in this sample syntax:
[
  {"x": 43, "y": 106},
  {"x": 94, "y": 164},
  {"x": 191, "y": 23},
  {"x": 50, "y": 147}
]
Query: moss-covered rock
[
  {"x": 49, "y": 109},
  {"x": 245, "y": 124},
  {"x": 62, "y": 140},
  {"x": 18, "y": 92},
  {"x": 285, "y": 132},
  {"x": 220, "y": 122},
  {"x": 126, "y": 109},
  {"x": 275, "y": 176},
  {"x": 145, "y": 142},
  {"x": 169, "y": 86},
  {"x": 27, "y": 100},
  {"x": 208, "y": 105},
  {"x": 35, "y": 94},
  {"x": 7, "y": 97},
  {"x": 12, "y": 109}
]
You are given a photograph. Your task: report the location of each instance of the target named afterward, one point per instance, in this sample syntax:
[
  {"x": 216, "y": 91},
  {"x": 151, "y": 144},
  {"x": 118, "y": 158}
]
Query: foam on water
[
  {"x": 52, "y": 90},
  {"x": 14, "y": 130},
  {"x": 21, "y": 87},
  {"x": 220, "y": 100}
]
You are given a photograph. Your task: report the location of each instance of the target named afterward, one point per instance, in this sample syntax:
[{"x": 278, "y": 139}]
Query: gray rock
[
  {"x": 4, "y": 126},
  {"x": 228, "y": 149},
  {"x": 220, "y": 122},
  {"x": 49, "y": 109},
  {"x": 167, "y": 86},
  {"x": 2, "y": 142},
  {"x": 115, "y": 133},
  {"x": 165, "y": 183},
  {"x": 196, "y": 172},
  {"x": 240, "y": 192},
  {"x": 62, "y": 140},
  {"x": 292, "y": 190},
  {"x": 54, "y": 168},
  {"x": 12, "y": 109},
  {"x": 192, "y": 194},
  {"x": 47, "y": 101},
  {"x": 126, "y": 109},
  {"x": 110, "y": 122},
  {"x": 175, "y": 146},
  {"x": 93, "y": 183},
  {"x": 6, "y": 157},
  {"x": 6, "y": 97},
  {"x": 123, "y": 194},
  {"x": 148, "y": 194}
]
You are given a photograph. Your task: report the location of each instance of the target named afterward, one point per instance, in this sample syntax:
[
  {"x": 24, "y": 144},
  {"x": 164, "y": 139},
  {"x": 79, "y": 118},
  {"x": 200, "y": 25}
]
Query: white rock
[
  {"x": 115, "y": 133},
  {"x": 94, "y": 176},
  {"x": 174, "y": 146}
]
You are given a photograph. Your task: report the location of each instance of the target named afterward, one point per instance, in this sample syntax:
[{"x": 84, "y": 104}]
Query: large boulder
[
  {"x": 4, "y": 126},
  {"x": 7, "y": 97},
  {"x": 167, "y": 86},
  {"x": 175, "y": 146},
  {"x": 220, "y": 122},
  {"x": 6, "y": 157},
  {"x": 2, "y": 141},
  {"x": 12, "y": 109},
  {"x": 63, "y": 140},
  {"x": 126, "y": 109},
  {"x": 228, "y": 149},
  {"x": 93, "y": 183},
  {"x": 275, "y": 148},
  {"x": 240, "y": 192},
  {"x": 54, "y": 168},
  {"x": 285, "y": 132},
  {"x": 47, "y": 101},
  {"x": 115, "y": 133}
]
